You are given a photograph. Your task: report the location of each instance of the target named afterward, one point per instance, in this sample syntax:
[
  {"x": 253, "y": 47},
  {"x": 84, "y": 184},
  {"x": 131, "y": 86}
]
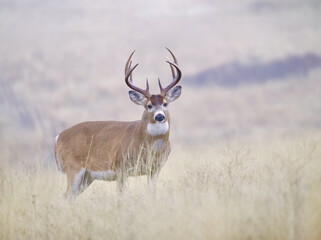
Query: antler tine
[
  {"x": 176, "y": 77},
  {"x": 172, "y": 68},
  {"x": 129, "y": 61},
  {"x": 131, "y": 74},
  {"x": 175, "y": 60},
  {"x": 147, "y": 85},
  {"x": 129, "y": 80}
]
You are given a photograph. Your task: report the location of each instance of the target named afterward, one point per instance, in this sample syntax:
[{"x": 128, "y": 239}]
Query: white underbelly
[{"x": 108, "y": 175}]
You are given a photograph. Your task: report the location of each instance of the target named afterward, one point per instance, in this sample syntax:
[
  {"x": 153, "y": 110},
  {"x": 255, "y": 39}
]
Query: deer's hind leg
[{"x": 77, "y": 181}]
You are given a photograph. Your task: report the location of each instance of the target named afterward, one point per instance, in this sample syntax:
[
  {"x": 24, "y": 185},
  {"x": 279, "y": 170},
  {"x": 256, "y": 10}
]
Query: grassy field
[{"x": 236, "y": 190}]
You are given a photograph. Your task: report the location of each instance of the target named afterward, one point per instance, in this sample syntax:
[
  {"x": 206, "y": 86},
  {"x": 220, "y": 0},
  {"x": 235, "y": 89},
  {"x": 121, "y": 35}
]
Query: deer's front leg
[
  {"x": 120, "y": 181},
  {"x": 155, "y": 169},
  {"x": 154, "y": 178}
]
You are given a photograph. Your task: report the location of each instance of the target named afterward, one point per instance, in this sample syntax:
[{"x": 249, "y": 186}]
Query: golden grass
[{"x": 231, "y": 191}]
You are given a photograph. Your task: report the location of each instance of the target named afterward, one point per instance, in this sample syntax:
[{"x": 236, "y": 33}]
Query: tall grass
[{"x": 232, "y": 191}]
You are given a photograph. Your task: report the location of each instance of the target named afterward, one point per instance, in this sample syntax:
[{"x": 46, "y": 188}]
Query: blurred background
[{"x": 251, "y": 68}]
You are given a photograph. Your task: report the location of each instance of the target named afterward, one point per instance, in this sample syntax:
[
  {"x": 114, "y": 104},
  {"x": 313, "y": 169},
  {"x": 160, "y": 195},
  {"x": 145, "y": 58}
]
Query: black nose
[{"x": 159, "y": 117}]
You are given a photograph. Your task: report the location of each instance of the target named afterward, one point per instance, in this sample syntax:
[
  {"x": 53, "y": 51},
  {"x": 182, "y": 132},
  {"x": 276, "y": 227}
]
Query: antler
[
  {"x": 176, "y": 77},
  {"x": 129, "y": 78}
]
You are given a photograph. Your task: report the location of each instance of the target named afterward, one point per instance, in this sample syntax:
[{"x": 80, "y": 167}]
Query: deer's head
[{"x": 156, "y": 105}]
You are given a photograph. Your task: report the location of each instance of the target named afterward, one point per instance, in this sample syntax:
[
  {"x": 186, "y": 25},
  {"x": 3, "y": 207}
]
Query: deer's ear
[
  {"x": 137, "y": 97},
  {"x": 174, "y": 93}
]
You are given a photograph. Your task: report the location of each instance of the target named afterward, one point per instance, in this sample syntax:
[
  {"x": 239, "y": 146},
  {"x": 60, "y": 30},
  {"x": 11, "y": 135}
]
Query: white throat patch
[
  {"x": 158, "y": 145},
  {"x": 155, "y": 129}
]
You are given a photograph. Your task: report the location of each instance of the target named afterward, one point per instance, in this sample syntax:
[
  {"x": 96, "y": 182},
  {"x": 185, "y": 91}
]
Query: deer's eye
[
  {"x": 165, "y": 104},
  {"x": 149, "y": 106}
]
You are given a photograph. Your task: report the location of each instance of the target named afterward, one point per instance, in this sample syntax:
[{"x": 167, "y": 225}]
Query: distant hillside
[{"x": 235, "y": 73}]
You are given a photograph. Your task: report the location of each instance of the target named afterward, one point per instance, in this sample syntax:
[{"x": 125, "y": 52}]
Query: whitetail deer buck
[{"x": 111, "y": 150}]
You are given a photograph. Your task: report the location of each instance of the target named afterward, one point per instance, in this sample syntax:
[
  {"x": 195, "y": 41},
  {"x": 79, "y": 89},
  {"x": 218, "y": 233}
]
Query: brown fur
[{"x": 109, "y": 145}]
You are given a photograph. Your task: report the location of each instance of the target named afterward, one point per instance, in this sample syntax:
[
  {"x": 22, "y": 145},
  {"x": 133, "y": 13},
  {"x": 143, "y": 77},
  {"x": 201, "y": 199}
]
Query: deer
[{"x": 115, "y": 150}]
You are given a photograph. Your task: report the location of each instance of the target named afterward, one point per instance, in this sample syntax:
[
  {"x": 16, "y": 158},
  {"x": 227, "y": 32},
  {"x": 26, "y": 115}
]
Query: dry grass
[{"x": 232, "y": 191}]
